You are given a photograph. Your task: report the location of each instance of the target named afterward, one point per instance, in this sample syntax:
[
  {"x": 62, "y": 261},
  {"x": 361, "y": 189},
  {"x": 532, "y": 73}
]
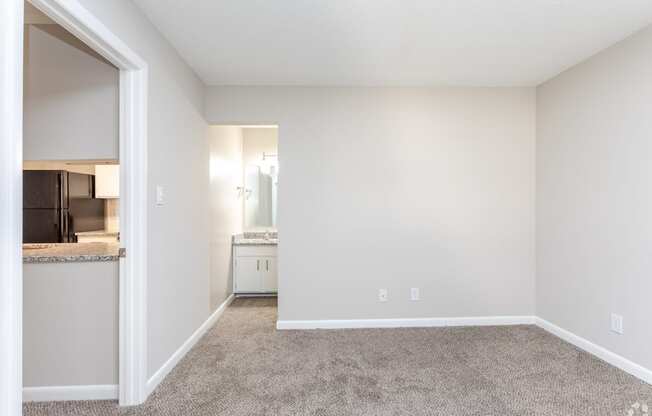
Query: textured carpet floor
[{"x": 243, "y": 366}]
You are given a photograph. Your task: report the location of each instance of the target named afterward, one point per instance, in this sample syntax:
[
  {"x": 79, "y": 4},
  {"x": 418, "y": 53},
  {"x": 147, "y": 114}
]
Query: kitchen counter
[{"x": 71, "y": 252}]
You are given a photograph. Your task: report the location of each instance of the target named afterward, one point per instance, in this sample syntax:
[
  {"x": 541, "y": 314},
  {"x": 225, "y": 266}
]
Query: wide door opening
[{"x": 71, "y": 226}]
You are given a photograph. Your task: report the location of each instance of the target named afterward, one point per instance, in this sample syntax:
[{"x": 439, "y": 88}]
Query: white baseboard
[
  {"x": 64, "y": 393},
  {"x": 604, "y": 354},
  {"x": 162, "y": 372},
  {"x": 407, "y": 323},
  {"x": 256, "y": 295}
]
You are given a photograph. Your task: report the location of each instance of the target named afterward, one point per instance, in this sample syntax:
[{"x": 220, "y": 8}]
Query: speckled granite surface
[
  {"x": 260, "y": 234},
  {"x": 241, "y": 241},
  {"x": 256, "y": 239},
  {"x": 70, "y": 252}
]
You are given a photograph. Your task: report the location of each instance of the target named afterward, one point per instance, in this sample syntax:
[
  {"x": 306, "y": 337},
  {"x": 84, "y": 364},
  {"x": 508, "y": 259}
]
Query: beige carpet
[{"x": 243, "y": 366}]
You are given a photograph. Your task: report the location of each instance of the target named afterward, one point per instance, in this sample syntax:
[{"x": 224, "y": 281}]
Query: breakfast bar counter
[{"x": 71, "y": 252}]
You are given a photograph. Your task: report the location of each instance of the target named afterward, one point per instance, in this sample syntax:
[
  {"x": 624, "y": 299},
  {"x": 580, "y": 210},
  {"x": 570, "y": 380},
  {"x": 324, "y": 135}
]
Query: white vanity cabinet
[{"x": 255, "y": 269}]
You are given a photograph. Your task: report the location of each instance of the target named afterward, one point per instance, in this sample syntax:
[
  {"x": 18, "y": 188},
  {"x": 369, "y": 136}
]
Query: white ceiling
[{"x": 391, "y": 42}]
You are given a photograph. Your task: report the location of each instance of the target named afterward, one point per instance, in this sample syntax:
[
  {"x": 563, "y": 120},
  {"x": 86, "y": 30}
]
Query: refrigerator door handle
[
  {"x": 66, "y": 226},
  {"x": 57, "y": 221},
  {"x": 60, "y": 190}
]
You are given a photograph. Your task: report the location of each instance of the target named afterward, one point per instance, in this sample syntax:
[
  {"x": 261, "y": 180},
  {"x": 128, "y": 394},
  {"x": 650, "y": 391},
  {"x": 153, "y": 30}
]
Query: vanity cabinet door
[
  {"x": 270, "y": 274},
  {"x": 248, "y": 275}
]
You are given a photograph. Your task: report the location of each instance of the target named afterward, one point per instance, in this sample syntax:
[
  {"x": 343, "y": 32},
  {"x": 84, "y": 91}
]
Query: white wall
[
  {"x": 70, "y": 98},
  {"x": 225, "y": 143},
  {"x": 399, "y": 188},
  {"x": 178, "y": 241},
  {"x": 70, "y": 324},
  {"x": 594, "y": 205},
  {"x": 256, "y": 141}
]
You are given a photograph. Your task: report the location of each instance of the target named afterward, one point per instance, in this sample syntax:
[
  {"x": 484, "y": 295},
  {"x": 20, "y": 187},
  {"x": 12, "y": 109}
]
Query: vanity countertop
[
  {"x": 70, "y": 252},
  {"x": 255, "y": 239}
]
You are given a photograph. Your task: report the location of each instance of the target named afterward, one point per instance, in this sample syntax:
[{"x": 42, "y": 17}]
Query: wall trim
[
  {"x": 406, "y": 323},
  {"x": 169, "y": 365},
  {"x": 602, "y": 353},
  {"x": 65, "y": 393},
  {"x": 11, "y": 206}
]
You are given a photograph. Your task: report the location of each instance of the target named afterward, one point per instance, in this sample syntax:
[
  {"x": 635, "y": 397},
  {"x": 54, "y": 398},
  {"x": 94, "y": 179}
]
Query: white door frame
[
  {"x": 11, "y": 213},
  {"x": 133, "y": 202}
]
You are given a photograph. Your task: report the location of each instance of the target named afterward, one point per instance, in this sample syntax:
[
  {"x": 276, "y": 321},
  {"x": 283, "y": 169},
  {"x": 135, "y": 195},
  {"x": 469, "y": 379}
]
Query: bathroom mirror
[
  {"x": 261, "y": 183},
  {"x": 260, "y": 177}
]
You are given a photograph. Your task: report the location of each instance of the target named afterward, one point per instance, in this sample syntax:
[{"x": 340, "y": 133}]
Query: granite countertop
[
  {"x": 71, "y": 252},
  {"x": 255, "y": 239}
]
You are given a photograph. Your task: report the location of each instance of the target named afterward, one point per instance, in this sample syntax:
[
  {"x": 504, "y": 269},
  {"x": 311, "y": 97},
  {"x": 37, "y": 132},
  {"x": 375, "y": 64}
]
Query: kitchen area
[
  {"x": 70, "y": 211},
  {"x": 71, "y": 256}
]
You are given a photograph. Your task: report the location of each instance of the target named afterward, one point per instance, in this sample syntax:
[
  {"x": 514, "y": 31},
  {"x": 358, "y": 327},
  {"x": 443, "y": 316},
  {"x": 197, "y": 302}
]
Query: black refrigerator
[{"x": 54, "y": 201}]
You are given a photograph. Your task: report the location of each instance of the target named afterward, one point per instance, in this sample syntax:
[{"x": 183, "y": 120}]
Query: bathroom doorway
[{"x": 244, "y": 186}]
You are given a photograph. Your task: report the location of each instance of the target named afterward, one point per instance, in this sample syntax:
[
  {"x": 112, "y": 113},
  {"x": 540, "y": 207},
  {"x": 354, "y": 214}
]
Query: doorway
[
  {"x": 244, "y": 184},
  {"x": 133, "y": 202}
]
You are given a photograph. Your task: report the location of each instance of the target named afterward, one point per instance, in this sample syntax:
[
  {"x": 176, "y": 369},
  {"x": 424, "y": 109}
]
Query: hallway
[{"x": 243, "y": 366}]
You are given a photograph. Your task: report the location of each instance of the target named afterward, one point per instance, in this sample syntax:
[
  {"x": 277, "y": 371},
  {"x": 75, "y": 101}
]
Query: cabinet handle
[
  {"x": 257, "y": 265},
  {"x": 267, "y": 263}
]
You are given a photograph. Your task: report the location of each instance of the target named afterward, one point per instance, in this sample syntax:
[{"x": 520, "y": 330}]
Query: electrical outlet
[
  {"x": 617, "y": 323},
  {"x": 414, "y": 293},
  {"x": 382, "y": 295}
]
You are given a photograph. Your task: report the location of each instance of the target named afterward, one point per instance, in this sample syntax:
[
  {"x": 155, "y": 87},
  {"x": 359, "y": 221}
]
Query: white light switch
[
  {"x": 160, "y": 195},
  {"x": 414, "y": 293},
  {"x": 617, "y": 323}
]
